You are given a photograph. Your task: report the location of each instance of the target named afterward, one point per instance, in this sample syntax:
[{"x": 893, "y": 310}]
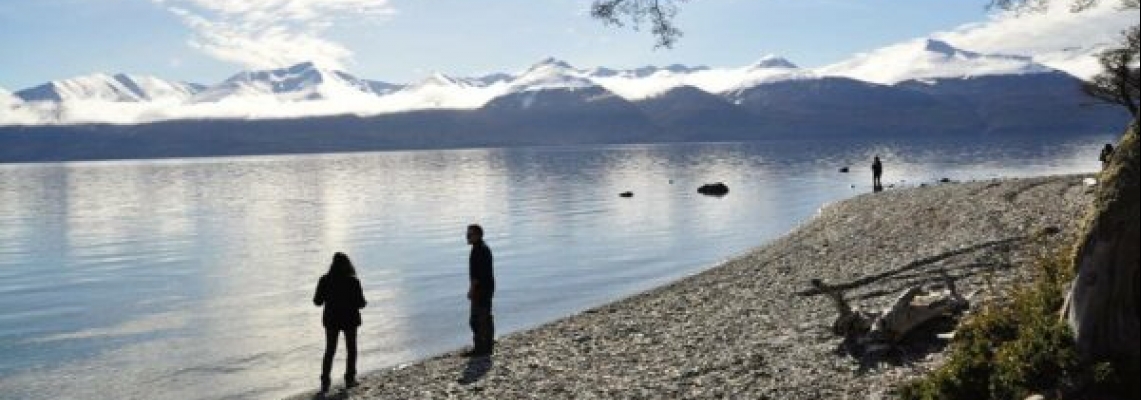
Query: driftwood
[{"x": 913, "y": 308}]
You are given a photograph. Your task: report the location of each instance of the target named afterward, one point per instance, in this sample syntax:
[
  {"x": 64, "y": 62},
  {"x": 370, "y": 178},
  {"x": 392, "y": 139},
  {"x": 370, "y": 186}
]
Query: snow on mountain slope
[
  {"x": 302, "y": 82},
  {"x": 549, "y": 74},
  {"x": 115, "y": 88},
  {"x": 490, "y": 79},
  {"x": 712, "y": 80},
  {"x": 13, "y": 110},
  {"x": 8, "y": 99},
  {"x": 603, "y": 72},
  {"x": 927, "y": 59},
  {"x": 1057, "y": 37},
  {"x": 441, "y": 91}
]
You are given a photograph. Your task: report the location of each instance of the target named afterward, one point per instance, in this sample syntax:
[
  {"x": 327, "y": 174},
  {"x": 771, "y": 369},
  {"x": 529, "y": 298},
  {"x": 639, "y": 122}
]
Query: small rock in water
[
  {"x": 945, "y": 180},
  {"x": 713, "y": 189}
]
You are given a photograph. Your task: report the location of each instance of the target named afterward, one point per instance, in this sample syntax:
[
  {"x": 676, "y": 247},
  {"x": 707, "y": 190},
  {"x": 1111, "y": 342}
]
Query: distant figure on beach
[
  {"x": 480, "y": 291},
  {"x": 877, "y": 171},
  {"x": 1106, "y": 152},
  {"x": 340, "y": 292}
]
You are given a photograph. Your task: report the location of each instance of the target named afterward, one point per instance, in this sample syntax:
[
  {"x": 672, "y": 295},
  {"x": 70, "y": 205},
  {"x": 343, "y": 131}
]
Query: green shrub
[{"x": 1014, "y": 349}]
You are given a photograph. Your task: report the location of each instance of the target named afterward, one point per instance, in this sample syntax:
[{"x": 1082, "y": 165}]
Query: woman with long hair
[{"x": 340, "y": 292}]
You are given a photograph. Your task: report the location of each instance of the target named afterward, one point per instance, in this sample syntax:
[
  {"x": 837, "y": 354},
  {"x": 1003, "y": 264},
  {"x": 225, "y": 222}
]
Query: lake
[{"x": 193, "y": 278}]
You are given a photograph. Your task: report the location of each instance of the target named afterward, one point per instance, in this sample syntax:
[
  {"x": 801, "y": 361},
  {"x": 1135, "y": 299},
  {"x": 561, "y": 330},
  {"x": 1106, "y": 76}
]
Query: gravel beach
[{"x": 751, "y": 328}]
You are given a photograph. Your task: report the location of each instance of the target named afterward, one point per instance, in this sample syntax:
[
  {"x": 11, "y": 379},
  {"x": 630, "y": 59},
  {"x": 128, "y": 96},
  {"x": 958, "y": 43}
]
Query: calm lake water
[{"x": 193, "y": 278}]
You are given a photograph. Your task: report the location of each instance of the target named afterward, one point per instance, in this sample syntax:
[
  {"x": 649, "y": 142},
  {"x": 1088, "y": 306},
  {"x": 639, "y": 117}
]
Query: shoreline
[{"x": 743, "y": 329}]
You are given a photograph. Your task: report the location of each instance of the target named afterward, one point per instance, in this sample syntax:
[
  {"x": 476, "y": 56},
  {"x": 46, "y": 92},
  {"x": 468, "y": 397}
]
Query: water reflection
[{"x": 195, "y": 276}]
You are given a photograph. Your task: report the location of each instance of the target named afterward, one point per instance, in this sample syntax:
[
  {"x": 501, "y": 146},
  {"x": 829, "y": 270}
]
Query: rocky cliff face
[{"x": 1104, "y": 304}]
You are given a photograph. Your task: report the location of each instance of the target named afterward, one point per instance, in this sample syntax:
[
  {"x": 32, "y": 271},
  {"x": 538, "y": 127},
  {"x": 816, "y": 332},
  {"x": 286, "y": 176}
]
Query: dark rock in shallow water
[
  {"x": 713, "y": 189},
  {"x": 945, "y": 180},
  {"x": 626, "y": 194},
  {"x": 845, "y": 169}
]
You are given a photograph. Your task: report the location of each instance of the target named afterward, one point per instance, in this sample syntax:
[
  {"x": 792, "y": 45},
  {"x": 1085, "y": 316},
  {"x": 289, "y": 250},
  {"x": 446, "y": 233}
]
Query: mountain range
[{"x": 920, "y": 88}]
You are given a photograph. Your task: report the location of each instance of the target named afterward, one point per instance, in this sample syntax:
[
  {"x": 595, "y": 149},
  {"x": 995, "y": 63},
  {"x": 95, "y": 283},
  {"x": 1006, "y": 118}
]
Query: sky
[{"x": 400, "y": 41}]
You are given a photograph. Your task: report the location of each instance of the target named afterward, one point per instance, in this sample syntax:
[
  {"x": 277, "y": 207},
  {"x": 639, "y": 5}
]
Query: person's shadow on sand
[
  {"x": 475, "y": 369},
  {"x": 332, "y": 395}
]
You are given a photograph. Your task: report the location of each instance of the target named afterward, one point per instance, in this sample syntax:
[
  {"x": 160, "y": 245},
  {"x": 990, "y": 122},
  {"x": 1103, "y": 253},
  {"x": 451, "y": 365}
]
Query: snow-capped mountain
[
  {"x": 603, "y": 72},
  {"x": 928, "y": 59},
  {"x": 490, "y": 79},
  {"x": 772, "y": 62},
  {"x": 14, "y": 111},
  {"x": 1057, "y": 37},
  {"x": 713, "y": 80},
  {"x": 550, "y": 74},
  {"x": 300, "y": 82},
  {"x": 441, "y": 91},
  {"x": 114, "y": 88},
  {"x": 309, "y": 90},
  {"x": 381, "y": 88}
]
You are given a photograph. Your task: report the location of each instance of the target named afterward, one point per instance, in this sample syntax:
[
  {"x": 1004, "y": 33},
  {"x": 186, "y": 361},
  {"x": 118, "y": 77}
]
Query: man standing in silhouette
[
  {"x": 877, "y": 171},
  {"x": 480, "y": 292}
]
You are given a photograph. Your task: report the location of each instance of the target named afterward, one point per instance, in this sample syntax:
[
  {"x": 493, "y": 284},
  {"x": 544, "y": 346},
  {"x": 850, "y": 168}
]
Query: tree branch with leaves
[{"x": 1119, "y": 82}]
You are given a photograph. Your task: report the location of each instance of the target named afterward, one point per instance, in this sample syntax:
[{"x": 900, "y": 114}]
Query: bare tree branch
[{"x": 660, "y": 14}]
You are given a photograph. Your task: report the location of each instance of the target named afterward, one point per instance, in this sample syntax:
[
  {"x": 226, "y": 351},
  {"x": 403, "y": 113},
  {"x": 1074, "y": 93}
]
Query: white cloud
[
  {"x": 14, "y": 111},
  {"x": 265, "y": 34}
]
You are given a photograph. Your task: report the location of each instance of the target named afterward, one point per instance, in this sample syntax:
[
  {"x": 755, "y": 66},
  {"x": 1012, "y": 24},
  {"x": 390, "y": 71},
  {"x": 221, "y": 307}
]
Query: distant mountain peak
[
  {"x": 302, "y": 81},
  {"x": 552, "y": 62},
  {"x": 928, "y": 58},
  {"x": 550, "y": 73},
  {"x": 772, "y": 61},
  {"x": 440, "y": 79},
  {"x": 939, "y": 46},
  {"x": 301, "y": 66},
  {"x": 119, "y": 87}
]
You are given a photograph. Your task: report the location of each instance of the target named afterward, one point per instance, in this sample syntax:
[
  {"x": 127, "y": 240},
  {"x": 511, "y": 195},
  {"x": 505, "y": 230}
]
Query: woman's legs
[
  {"x": 330, "y": 351},
  {"x": 351, "y": 362}
]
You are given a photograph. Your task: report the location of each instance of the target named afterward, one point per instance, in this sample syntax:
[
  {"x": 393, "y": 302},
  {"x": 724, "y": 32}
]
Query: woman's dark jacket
[{"x": 343, "y": 299}]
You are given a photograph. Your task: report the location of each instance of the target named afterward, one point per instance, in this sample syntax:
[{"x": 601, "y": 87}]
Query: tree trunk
[{"x": 1104, "y": 304}]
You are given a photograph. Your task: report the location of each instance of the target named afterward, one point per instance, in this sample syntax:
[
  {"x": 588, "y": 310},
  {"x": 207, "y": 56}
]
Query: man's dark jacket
[{"x": 480, "y": 271}]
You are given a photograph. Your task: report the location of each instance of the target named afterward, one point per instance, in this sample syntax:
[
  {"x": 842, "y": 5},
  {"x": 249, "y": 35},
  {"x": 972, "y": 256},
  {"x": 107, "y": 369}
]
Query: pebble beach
[{"x": 751, "y": 328}]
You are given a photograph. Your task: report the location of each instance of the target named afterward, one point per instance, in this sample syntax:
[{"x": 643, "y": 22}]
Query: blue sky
[{"x": 206, "y": 41}]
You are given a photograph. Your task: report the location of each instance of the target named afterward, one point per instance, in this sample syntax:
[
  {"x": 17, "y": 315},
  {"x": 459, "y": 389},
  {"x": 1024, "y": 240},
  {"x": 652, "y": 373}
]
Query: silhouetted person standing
[
  {"x": 340, "y": 292},
  {"x": 1106, "y": 153},
  {"x": 480, "y": 291},
  {"x": 877, "y": 171}
]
